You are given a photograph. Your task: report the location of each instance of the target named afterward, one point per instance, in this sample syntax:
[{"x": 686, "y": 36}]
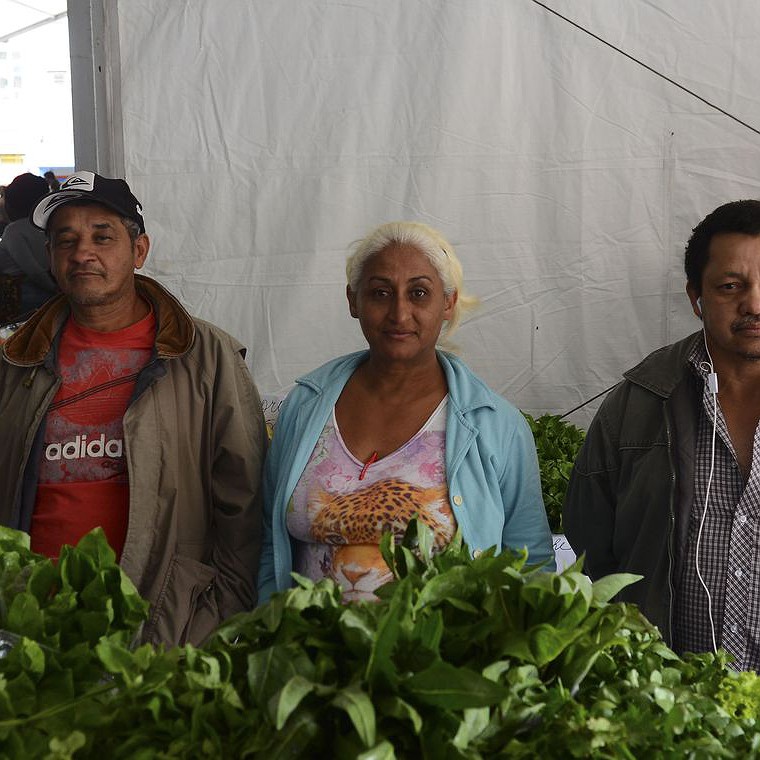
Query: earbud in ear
[{"x": 699, "y": 307}]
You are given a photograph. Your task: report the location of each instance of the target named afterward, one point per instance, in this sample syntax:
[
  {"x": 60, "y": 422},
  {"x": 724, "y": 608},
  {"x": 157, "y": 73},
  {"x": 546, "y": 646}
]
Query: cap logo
[{"x": 80, "y": 181}]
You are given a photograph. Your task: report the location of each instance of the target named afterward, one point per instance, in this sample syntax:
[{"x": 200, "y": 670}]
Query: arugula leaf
[{"x": 444, "y": 685}]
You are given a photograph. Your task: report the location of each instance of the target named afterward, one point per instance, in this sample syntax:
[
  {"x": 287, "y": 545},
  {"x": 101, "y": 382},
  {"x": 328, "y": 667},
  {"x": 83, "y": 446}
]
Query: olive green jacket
[
  {"x": 194, "y": 441},
  {"x": 632, "y": 485}
]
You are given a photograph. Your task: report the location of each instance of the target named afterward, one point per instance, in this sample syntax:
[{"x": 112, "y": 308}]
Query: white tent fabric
[{"x": 264, "y": 137}]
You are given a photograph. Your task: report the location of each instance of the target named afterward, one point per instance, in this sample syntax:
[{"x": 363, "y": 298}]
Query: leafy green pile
[
  {"x": 557, "y": 443},
  {"x": 462, "y": 658},
  {"x": 54, "y": 617}
]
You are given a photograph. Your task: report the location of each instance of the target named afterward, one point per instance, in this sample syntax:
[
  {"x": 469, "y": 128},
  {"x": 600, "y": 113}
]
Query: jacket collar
[
  {"x": 32, "y": 342},
  {"x": 465, "y": 387},
  {"x": 664, "y": 369}
]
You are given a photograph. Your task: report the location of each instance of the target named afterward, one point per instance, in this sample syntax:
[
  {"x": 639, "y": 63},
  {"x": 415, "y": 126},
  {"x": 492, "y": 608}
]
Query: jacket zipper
[{"x": 672, "y": 519}]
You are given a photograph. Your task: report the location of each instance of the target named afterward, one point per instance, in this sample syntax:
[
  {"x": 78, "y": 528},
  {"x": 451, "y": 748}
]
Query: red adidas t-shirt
[{"x": 83, "y": 480}]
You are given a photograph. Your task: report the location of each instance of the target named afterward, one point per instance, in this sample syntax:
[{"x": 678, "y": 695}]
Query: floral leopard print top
[{"x": 340, "y": 507}]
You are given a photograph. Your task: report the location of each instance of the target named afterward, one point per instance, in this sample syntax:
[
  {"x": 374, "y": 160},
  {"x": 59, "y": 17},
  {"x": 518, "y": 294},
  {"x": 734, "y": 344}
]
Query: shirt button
[
  {"x": 734, "y": 628},
  {"x": 457, "y": 500},
  {"x": 738, "y": 573},
  {"x": 743, "y": 519}
]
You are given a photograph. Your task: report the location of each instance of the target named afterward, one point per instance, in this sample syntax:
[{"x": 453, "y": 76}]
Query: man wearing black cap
[{"x": 126, "y": 413}]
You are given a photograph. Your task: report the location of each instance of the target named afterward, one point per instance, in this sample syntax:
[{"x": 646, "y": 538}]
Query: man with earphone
[{"x": 667, "y": 484}]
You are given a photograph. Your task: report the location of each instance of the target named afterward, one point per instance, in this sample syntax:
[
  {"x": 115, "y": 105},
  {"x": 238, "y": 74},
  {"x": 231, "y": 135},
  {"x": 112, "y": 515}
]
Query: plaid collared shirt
[{"x": 729, "y": 560}]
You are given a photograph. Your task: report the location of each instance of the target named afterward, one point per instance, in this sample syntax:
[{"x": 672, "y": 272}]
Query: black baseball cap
[{"x": 88, "y": 186}]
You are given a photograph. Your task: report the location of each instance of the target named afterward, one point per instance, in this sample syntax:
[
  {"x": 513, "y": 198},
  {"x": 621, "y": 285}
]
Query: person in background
[
  {"x": 373, "y": 438},
  {"x": 52, "y": 181},
  {"x": 122, "y": 411},
  {"x": 3, "y": 214},
  {"x": 24, "y": 266},
  {"x": 667, "y": 483}
]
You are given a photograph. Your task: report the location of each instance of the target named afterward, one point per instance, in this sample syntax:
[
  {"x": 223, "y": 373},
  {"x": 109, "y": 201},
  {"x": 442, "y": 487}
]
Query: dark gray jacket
[{"x": 632, "y": 486}]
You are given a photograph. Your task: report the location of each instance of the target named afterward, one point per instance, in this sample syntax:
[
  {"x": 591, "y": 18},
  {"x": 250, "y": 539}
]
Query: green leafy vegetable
[
  {"x": 557, "y": 443},
  {"x": 461, "y": 658}
]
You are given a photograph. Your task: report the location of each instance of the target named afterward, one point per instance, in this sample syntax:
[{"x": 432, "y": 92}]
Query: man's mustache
[{"x": 744, "y": 322}]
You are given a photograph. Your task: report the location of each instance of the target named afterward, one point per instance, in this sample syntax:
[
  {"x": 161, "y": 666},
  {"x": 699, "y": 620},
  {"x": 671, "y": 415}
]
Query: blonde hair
[{"x": 426, "y": 240}]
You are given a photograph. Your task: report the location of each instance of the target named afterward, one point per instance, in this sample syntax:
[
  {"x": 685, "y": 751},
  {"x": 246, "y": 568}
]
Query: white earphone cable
[{"x": 712, "y": 382}]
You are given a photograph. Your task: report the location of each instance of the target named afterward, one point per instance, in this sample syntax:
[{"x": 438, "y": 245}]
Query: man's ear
[
  {"x": 140, "y": 249},
  {"x": 351, "y": 296},
  {"x": 696, "y": 301}
]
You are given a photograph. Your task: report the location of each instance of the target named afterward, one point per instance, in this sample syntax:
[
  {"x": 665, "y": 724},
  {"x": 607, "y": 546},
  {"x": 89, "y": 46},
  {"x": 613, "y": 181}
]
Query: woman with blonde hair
[{"x": 402, "y": 429}]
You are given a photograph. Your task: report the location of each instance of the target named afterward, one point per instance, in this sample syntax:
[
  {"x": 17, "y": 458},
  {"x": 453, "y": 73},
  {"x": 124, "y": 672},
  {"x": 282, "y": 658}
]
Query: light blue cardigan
[{"x": 491, "y": 465}]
